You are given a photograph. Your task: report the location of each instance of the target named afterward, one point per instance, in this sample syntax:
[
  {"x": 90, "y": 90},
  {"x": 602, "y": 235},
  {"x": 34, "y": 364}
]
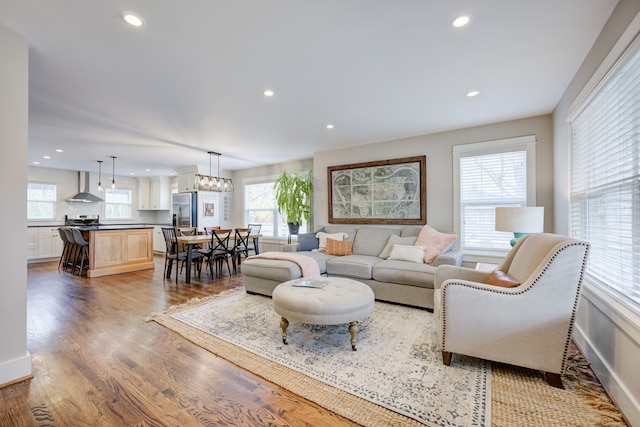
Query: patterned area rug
[{"x": 396, "y": 377}]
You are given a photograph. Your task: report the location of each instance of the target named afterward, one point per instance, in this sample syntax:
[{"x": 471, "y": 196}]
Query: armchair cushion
[{"x": 499, "y": 278}]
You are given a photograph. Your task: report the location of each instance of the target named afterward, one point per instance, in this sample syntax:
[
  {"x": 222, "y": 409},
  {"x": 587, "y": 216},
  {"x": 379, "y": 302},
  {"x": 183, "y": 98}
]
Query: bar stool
[
  {"x": 73, "y": 248},
  {"x": 82, "y": 253},
  {"x": 66, "y": 247}
]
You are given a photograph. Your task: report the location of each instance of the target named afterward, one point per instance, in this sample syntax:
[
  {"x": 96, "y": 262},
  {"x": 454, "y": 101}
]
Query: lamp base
[{"x": 517, "y": 236}]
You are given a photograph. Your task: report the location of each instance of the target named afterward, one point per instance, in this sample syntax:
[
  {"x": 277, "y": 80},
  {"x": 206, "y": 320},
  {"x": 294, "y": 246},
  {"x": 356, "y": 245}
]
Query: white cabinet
[
  {"x": 43, "y": 242},
  {"x": 185, "y": 182},
  {"x": 32, "y": 243},
  {"x": 158, "y": 240},
  {"x": 154, "y": 194},
  {"x": 160, "y": 192},
  {"x": 144, "y": 186}
]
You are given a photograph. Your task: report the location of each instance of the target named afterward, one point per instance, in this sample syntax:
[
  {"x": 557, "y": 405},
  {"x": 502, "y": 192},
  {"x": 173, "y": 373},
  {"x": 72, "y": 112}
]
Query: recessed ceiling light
[
  {"x": 36, "y": 163},
  {"x": 461, "y": 21},
  {"x": 132, "y": 173},
  {"x": 59, "y": 150},
  {"x": 132, "y": 20},
  {"x": 268, "y": 92},
  {"x": 46, "y": 157},
  {"x": 329, "y": 126},
  {"x": 147, "y": 170},
  {"x": 472, "y": 93}
]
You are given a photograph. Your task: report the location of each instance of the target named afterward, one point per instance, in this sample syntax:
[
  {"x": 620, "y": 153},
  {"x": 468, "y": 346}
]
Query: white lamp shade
[{"x": 528, "y": 219}]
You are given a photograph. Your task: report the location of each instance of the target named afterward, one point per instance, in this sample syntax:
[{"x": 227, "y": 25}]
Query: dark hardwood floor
[{"x": 96, "y": 362}]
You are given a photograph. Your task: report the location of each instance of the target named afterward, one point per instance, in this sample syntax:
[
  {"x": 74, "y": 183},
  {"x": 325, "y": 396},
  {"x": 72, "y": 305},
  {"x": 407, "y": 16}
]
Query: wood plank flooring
[{"x": 96, "y": 362}]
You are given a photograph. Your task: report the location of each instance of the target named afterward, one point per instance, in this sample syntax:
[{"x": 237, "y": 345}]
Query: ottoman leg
[
  {"x": 353, "y": 330},
  {"x": 284, "y": 324}
]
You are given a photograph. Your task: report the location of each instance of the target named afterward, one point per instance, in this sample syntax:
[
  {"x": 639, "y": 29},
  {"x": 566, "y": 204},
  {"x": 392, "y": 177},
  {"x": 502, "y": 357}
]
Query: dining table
[{"x": 191, "y": 242}]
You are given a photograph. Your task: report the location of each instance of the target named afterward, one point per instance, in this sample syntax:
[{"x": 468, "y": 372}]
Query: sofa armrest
[
  {"x": 291, "y": 247},
  {"x": 448, "y": 258}
]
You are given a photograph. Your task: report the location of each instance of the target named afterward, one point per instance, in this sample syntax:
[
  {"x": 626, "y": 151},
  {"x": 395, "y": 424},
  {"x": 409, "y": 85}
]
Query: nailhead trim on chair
[{"x": 499, "y": 291}]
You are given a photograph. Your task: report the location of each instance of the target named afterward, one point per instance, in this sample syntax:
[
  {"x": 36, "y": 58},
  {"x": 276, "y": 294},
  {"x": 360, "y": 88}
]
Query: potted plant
[{"x": 293, "y": 197}]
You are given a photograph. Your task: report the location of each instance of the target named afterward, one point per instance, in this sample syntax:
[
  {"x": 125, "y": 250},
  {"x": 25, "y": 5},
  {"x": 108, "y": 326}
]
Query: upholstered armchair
[{"x": 526, "y": 318}]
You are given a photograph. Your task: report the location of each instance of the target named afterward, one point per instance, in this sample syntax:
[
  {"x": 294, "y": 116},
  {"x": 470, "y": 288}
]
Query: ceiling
[{"x": 192, "y": 78}]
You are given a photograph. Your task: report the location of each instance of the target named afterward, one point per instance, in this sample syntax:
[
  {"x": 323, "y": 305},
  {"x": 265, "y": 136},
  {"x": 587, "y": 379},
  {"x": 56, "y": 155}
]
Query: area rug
[{"x": 396, "y": 377}]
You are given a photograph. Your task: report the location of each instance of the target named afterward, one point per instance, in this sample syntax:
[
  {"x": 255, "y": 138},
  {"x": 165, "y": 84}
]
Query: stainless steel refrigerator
[{"x": 195, "y": 209}]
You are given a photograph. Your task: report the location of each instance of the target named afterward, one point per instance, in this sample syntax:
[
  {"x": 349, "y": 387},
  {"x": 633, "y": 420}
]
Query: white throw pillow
[
  {"x": 408, "y": 253},
  {"x": 322, "y": 239},
  {"x": 396, "y": 240}
]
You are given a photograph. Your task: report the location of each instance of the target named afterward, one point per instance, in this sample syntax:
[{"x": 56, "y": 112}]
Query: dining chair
[
  {"x": 173, "y": 253},
  {"x": 218, "y": 251},
  {"x": 255, "y": 230},
  {"x": 240, "y": 247}
]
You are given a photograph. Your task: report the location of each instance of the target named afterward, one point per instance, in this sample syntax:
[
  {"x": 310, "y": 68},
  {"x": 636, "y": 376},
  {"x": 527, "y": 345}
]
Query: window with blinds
[
  {"x": 487, "y": 181},
  {"x": 489, "y": 174},
  {"x": 605, "y": 179}
]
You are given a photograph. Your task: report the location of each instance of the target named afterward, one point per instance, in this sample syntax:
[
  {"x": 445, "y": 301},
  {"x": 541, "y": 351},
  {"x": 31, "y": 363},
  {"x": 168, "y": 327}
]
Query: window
[
  {"x": 605, "y": 179},
  {"x": 41, "y": 200},
  {"x": 117, "y": 203},
  {"x": 490, "y": 174},
  {"x": 260, "y": 208}
]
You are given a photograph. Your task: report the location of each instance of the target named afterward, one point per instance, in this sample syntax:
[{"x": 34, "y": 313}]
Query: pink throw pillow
[{"x": 435, "y": 242}]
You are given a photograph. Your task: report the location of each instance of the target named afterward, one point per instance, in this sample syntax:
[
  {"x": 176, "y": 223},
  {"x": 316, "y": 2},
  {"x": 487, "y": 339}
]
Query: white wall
[
  {"x": 438, "y": 149},
  {"x": 15, "y": 360},
  {"x": 606, "y": 331}
]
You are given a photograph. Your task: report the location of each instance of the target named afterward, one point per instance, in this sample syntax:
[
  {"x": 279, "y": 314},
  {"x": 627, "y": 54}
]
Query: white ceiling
[{"x": 191, "y": 80}]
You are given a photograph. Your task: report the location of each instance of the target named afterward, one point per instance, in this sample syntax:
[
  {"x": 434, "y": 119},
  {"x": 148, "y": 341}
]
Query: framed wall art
[{"x": 382, "y": 192}]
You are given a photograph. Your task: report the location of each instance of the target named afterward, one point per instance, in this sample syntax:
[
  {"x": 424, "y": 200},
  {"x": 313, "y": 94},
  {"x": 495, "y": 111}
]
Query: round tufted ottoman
[{"x": 339, "y": 301}]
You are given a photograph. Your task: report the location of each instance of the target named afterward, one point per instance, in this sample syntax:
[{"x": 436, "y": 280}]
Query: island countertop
[{"x": 114, "y": 227}]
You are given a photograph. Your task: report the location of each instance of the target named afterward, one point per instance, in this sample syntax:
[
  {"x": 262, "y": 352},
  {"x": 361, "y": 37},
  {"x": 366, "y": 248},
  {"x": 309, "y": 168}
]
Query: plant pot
[{"x": 293, "y": 228}]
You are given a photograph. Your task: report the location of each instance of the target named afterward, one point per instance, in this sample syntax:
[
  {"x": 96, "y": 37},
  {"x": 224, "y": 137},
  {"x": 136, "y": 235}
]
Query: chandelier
[{"x": 213, "y": 183}]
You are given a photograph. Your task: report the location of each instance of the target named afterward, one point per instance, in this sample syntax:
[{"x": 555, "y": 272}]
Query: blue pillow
[{"x": 307, "y": 242}]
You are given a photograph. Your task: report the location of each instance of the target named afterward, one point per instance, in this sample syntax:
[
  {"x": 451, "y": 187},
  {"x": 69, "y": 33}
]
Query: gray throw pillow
[{"x": 307, "y": 242}]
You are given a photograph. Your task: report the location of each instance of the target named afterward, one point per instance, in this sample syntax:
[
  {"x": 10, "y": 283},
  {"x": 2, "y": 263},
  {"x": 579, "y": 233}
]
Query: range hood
[{"x": 83, "y": 195}]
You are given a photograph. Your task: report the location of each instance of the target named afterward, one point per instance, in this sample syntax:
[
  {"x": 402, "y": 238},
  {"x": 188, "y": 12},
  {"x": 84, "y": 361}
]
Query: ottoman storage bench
[{"x": 340, "y": 301}]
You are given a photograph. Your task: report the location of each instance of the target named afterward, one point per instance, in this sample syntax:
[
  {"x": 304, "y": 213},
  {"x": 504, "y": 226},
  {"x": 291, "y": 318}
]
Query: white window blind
[
  {"x": 605, "y": 179},
  {"x": 117, "y": 203},
  {"x": 41, "y": 200},
  {"x": 261, "y": 208},
  {"x": 487, "y": 181}
]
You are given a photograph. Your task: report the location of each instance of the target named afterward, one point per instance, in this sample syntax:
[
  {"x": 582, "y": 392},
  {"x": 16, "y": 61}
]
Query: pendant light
[
  {"x": 210, "y": 182},
  {"x": 113, "y": 172},
  {"x": 100, "y": 176}
]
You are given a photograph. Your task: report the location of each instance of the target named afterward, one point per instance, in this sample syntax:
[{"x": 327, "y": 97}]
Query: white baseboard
[
  {"x": 609, "y": 378},
  {"x": 15, "y": 369}
]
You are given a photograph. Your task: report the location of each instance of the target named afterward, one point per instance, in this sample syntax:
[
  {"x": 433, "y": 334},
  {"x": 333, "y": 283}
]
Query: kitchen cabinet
[
  {"x": 43, "y": 242},
  {"x": 144, "y": 189},
  {"x": 185, "y": 182},
  {"x": 160, "y": 192},
  {"x": 154, "y": 193},
  {"x": 158, "y": 240}
]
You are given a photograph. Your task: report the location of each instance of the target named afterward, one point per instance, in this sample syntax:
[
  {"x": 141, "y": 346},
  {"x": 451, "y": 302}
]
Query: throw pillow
[
  {"x": 500, "y": 278},
  {"x": 408, "y": 253},
  {"x": 396, "y": 240},
  {"x": 338, "y": 247},
  {"x": 322, "y": 239},
  {"x": 307, "y": 242},
  {"x": 435, "y": 242}
]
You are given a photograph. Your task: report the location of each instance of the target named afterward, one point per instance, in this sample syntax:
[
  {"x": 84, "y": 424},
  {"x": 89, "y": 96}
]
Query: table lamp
[{"x": 520, "y": 220}]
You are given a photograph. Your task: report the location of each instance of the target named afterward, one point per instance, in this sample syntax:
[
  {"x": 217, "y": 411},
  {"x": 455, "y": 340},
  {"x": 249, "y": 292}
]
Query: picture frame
[
  {"x": 209, "y": 209},
  {"x": 379, "y": 192}
]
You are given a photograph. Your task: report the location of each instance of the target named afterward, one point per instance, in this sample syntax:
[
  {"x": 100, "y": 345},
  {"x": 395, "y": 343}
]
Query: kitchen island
[{"x": 117, "y": 249}]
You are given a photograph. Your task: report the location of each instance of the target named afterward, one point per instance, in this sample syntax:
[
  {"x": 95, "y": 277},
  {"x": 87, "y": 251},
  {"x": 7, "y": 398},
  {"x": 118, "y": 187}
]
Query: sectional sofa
[{"x": 393, "y": 272}]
